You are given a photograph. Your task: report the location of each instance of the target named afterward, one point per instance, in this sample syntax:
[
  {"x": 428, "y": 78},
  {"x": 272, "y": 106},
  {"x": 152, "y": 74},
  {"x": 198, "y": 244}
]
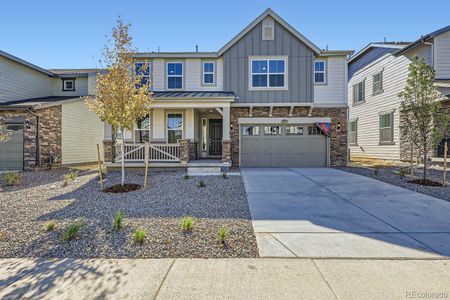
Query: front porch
[{"x": 181, "y": 129}]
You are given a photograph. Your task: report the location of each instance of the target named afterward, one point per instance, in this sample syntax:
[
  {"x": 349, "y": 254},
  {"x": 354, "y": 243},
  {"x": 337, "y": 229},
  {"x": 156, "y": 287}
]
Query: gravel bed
[
  {"x": 391, "y": 175},
  {"x": 41, "y": 197}
]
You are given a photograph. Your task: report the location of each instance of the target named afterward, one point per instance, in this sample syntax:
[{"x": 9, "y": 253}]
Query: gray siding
[
  {"x": 300, "y": 66},
  {"x": 367, "y": 58}
]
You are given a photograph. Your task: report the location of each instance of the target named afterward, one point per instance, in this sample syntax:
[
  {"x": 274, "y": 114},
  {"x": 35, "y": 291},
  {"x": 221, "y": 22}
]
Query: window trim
[
  {"x": 167, "y": 75},
  {"x": 64, "y": 80},
  {"x": 214, "y": 72},
  {"x": 355, "y": 102},
  {"x": 167, "y": 125},
  {"x": 355, "y": 132},
  {"x": 149, "y": 76},
  {"x": 267, "y": 58},
  {"x": 149, "y": 129},
  {"x": 391, "y": 118},
  {"x": 376, "y": 92},
  {"x": 325, "y": 72}
]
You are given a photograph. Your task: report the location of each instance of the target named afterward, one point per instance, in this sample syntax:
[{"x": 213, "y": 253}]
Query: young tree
[
  {"x": 424, "y": 122},
  {"x": 123, "y": 96}
]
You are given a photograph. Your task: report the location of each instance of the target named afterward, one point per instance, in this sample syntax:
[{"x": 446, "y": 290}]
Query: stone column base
[
  {"x": 226, "y": 151},
  {"x": 108, "y": 151}
]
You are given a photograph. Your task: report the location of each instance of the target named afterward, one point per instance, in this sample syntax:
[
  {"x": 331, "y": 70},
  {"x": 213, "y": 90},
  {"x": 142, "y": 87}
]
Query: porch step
[{"x": 204, "y": 171}]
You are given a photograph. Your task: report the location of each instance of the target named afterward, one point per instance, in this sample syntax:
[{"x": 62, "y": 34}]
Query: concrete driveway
[{"x": 320, "y": 212}]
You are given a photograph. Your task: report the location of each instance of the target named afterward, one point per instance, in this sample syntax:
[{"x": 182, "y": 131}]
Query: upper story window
[
  {"x": 208, "y": 72},
  {"x": 268, "y": 73},
  {"x": 68, "y": 85},
  {"x": 268, "y": 32},
  {"x": 377, "y": 85},
  {"x": 175, "y": 75},
  {"x": 143, "y": 69},
  {"x": 319, "y": 71},
  {"x": 359, "y": 94}
]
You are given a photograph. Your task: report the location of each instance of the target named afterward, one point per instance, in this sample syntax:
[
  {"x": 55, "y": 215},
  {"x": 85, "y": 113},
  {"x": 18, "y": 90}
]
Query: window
[
  {"x": 272, "y": 130},
  {"x": 208, "y": 73},
  {"x": 314, "y": 130},
  {"x": 387, "y": 128},
  {"x": 174, "y": 128},
  {"x": 268, "y": 73},
  {"x": 319, "y": 71},
  {"x": 142, "y": 130},
  {"x": 68, "y": 85},
  {"x": 143, "y": 69},
  {"x": 377, "y": 86},
  {"x": 294, "y": 130},
  {"x": 175, "y": 75},
  {"x": 250, "y": 130},
  {"x": 352, "y": 133},
  {"x": 359, "y": 94},
  {"x": 268, "y": 29}
]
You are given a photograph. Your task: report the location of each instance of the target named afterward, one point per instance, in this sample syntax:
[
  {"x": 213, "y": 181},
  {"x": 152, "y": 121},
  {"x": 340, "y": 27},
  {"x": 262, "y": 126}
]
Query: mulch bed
[
  {"x": 118, "y": 188},
  {"x": 26, "y": 209},
  {"x": 425, "y": 182}
]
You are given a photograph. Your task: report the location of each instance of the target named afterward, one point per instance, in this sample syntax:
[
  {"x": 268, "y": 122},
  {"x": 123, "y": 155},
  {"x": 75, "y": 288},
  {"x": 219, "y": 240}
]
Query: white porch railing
[{"x": 158, "y": 152}]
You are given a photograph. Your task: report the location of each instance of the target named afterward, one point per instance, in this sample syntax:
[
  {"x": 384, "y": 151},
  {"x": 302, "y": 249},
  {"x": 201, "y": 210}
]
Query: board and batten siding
[
  {"x": 82, "y": 130},
  {"x": 18, "y": 82},
  {"x": 395, "y": 73},
  {"x": 299, "y": 66},
  {"x": 334, "y": 91},
  {"x": 442, "y": 55}
]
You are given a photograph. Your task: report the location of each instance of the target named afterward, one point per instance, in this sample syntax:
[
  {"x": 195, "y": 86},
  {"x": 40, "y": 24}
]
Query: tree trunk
[
  {"x": 425, "y": 161},
  {"x": 122, "y": 147}
]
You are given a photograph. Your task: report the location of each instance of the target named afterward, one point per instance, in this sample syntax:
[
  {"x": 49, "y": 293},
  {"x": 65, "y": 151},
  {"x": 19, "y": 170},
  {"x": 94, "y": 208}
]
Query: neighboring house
[
  {"x": 46, "y": 116},
  {"x": 259, "y": 101},
  {"x": 377, "y": 74}
]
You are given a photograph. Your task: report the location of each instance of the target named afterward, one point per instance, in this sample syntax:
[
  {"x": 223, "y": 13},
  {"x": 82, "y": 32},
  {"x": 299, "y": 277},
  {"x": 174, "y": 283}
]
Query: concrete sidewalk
[{"x": 222, "y": 278}]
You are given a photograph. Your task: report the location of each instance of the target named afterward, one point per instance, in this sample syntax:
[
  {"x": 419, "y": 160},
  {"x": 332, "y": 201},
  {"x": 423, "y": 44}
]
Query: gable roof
[
  {"x": 271, "y": 13},
  {"x": 25, "y": 63},
  {"x": 391, "y": 45},
  {"x": 423, "y": 39}
]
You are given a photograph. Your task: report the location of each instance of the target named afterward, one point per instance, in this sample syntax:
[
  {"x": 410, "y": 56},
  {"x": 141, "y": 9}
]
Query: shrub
[
  {"x": 187, "y": 223},
  {"x": 376, "y": 171},
  {"x": 223, "y": 234},
  {"x": 224, "y": 175},
  {"x": 139, "y": 235},
  {"x": 69, "y": 177},
  {"x": 118, "y": 218},
  {"x": 186, "y": 176},
  {"x": 50, "y": 226},
  {"x": 12, "y": 178},
  {"x": 72, "y": 231},
  {"x": 201, "y": 184},
  {"x": 402, "y": 173}
]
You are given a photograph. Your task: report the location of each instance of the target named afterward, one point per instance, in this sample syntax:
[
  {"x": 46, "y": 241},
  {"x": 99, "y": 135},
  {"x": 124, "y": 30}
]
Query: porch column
[
  {"x": 189, "y": 124},
  {"x": 108, "y": 147},
  {"x": 226, "y": 142}
]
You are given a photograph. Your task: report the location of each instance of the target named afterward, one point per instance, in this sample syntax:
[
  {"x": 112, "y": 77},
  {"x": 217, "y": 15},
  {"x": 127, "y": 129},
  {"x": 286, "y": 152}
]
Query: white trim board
[{"x": 283, "y": 120}]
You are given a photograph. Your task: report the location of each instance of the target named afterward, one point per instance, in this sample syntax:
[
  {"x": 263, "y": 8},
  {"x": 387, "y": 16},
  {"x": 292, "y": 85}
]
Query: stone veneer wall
[
  {"x": 49, "y": 134},
  {"x": 338, "y": 140}
]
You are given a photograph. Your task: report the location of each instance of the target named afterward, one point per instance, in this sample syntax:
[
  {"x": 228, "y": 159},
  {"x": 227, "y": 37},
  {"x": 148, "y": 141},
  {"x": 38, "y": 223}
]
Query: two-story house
[
  {"x": 268, "y": 98},
  {"x": 377, "y": 74},
  {"x": 259, "y": 101}
]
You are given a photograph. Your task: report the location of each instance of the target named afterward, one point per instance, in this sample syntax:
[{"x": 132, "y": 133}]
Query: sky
[{"x": 65, "y": 34}]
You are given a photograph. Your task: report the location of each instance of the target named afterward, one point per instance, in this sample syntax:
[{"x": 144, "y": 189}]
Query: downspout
[{"x": 38, "y": 144}]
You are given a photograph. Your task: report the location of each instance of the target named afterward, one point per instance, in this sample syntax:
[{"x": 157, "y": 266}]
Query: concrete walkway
[
  {"x": 328, "y": 213},
  {"x": 221, "y": 278}
]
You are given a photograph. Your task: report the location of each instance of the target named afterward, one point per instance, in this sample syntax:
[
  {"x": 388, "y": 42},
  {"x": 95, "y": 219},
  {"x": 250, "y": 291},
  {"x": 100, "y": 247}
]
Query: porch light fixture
[{"x": 338, "y": 126}]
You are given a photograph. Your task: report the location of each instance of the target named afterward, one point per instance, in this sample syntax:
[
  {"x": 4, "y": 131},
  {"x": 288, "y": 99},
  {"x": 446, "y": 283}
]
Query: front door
[{"x": 215, "y": 137}]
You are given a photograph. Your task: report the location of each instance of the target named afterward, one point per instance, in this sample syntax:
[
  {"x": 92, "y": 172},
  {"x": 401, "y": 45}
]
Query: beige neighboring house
[
  {"x": 377, "y": 74},
  {"x": 46, "y": 115},
  {"x": 268, "y": 98}
]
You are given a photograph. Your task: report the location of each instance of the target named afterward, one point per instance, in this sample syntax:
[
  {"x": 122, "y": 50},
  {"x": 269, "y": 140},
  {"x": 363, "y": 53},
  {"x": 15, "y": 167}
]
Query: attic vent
[{"x": 268, "y": 29}]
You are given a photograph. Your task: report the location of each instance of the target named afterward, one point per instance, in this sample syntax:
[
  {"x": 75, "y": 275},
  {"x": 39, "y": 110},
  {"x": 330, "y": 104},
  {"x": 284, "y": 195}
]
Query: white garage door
[{"x": 283, "y": 146}]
